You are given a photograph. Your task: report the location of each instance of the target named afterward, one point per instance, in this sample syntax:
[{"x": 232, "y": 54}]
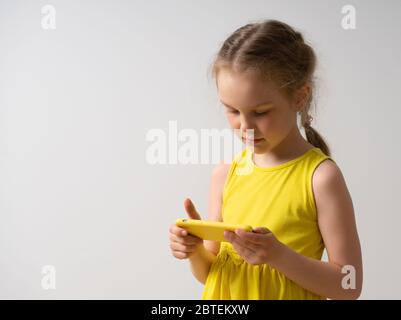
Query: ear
[{"x": 301, "y": 97}]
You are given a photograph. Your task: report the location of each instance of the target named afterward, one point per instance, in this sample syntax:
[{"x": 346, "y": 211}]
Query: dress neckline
[{"x": 279, "y": 166}]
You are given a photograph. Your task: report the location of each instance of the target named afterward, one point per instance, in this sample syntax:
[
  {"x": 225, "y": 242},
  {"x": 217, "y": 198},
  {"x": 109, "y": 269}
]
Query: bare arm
[
  {"x": 338, "y": 228},
  {"x": 203, "y": 258}
]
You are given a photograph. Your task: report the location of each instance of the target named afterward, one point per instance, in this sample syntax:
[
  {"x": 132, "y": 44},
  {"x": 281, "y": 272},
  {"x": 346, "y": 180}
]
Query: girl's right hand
[{"x": 182, "y": 244}]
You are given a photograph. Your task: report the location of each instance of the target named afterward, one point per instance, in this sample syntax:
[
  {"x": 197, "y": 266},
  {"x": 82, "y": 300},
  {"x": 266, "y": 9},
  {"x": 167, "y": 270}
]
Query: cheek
[
  {"x": 267, "y": 124},
  {"x": 279, "y": 127},
  {"x": 272, "y": 128},
  {"x": 234, "y": 121}
]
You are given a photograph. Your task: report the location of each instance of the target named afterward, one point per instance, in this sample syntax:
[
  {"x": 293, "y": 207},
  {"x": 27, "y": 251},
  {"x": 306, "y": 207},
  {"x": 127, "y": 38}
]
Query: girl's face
[{"x": 252, "y": 104}]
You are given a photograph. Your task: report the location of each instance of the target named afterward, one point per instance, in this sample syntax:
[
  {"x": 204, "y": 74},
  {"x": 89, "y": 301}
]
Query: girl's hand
[
  {"x": 182, "y": 244},
  {"x": 257, "y": 247}
]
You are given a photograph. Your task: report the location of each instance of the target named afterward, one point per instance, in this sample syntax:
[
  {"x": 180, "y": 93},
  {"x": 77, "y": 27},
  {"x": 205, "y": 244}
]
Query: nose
[{"x": 246, "y": 127}]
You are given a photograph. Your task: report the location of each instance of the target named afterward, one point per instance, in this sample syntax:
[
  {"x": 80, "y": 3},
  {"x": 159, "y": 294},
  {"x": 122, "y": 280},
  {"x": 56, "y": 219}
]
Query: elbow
[
  {"x": 348, "y": 294},
  {"x": 355, "y": 291},
  {"x": 201, "y": 281},
  {"x": 352, "y": 294},
  {"x": 351, "y": 284},
  {"x": 355, "y": 297}
]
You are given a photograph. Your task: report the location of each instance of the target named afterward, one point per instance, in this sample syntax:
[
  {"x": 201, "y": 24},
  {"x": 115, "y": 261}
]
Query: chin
[{"x": 259, "y": 149}]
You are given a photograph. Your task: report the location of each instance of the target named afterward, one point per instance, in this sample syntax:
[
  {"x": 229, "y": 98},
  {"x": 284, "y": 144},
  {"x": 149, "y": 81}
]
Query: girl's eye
[{"x": 258, "y": 114}]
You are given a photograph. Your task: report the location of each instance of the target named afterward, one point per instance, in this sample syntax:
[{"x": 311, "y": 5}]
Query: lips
[{"x": 252, "y": 140}]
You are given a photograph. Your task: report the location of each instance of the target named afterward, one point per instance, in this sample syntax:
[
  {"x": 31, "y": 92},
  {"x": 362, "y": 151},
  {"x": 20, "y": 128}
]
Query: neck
[{"x": 292, "y": 146}]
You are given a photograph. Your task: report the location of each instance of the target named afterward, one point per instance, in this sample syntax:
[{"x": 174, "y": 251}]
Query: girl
[{"x": 292, "y": 192}]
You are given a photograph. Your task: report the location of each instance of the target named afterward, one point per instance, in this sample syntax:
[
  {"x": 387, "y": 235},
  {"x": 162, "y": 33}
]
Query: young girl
[{"x": 288, "y": 188}]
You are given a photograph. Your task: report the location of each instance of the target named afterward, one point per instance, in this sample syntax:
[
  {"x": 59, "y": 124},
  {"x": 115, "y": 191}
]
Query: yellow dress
[{"x": 281, "y": 199}]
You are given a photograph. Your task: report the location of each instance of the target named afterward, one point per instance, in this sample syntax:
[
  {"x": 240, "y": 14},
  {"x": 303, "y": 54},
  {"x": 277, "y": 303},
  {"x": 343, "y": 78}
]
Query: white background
[{"x": 76, "y": 103}]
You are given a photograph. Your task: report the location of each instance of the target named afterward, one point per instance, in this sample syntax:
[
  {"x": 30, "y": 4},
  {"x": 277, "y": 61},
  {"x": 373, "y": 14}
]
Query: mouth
[{"x": 252, "y": 141}]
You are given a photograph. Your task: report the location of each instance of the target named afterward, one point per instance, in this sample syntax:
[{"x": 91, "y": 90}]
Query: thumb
[
  {"x": 191, "y": 210},
  {"x": 261, "y": 230}
]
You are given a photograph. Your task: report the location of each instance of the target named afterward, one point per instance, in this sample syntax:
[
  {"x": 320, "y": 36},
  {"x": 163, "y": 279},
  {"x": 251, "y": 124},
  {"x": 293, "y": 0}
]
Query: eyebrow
[{"x": 255, "y": 107}]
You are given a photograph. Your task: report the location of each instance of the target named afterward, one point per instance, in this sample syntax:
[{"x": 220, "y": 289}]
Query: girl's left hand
[{"x": 257, "y": 247}]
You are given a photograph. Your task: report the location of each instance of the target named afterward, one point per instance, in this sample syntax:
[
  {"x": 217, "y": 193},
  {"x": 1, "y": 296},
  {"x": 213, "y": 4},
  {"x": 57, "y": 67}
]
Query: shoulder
[
  {"x": 330, "y": 189},
  {"x": 223, "y": 169},
  {"x": 219, "y": 177},
  {"x": 327, "y": 174},
  {"x": 326, "y": 168},
  {"x": 220, "y": 171}
]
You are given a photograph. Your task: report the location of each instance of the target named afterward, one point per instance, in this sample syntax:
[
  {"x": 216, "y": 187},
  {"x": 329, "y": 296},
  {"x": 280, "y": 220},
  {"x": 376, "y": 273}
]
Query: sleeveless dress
[{"x": 281, "y": 199}]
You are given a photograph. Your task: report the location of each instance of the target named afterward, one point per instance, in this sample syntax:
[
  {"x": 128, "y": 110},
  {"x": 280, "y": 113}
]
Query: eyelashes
[
  {"x": 260, "y": 113},
  {"x": 256, "y": 114}
]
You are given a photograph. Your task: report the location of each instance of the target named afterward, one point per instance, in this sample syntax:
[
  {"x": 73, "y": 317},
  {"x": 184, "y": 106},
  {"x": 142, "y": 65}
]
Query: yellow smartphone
[{"x": 209, "y": 230}]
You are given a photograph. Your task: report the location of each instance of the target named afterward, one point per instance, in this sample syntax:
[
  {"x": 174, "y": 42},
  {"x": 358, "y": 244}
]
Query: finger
[
  {"x": 191, "y": 239},
  {"x": 235, "y": 239},
  {"x": 187, "y": 240},
  {"x": 245, "y": 243},
  {"x": 253, "y": 237},
  {"x": 243, "y": 251},
  {"x": 175, "y": 246},
  {"x": 261, "y": 230},
  {"x": 180, "y": 255},
  {"x": 191, "y": 210},
  {"x": 174, "y": 229}
]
